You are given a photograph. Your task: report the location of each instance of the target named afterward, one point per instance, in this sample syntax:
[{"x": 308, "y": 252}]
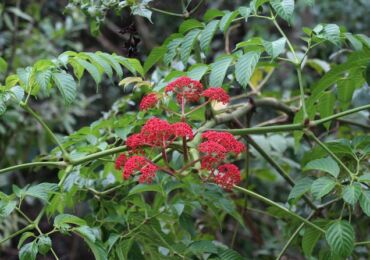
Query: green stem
[
  {"x": 32, "y": 164},
  {"x": 317, "y": 140},
  {"x": 29, "y": 227},
  {"x": 47, "y": 129},
  {"x": 301, "y": 90},
  {"x": 166, "y": 12},
  {"x": 99, "y": 155},
  {"x": 274, "y": 204},
  {"x": 362, "y": 243}
]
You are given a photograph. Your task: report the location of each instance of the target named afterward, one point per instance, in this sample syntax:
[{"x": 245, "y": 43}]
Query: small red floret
[
  {"x": 149, "y": 101},
  {"x": 216, "y": 94},
  {"x": 212, "y": 154},
  {"x": 182, "y": 129},
  {"x": 185, "y": 88},
  {"x": 140, "y": 164},
  {"x": 227, "y": 176},
  {"x": 225, "y": 139},
  {"x": 120, "y": 161}
]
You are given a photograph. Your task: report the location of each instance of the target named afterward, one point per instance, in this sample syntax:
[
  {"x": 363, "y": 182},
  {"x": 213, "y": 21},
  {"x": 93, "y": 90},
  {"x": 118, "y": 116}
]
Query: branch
[{"x": 33, "y": 164}]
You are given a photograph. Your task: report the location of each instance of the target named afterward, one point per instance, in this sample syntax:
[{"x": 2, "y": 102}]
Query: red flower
[
  {"x": 120, "y": 161},
  {"x": 225, "y": 139},
  {"x": 185, "y": 88},
  {"x": 156, "y": 132},
  {"x": 227, "y": 176},
  {"x": 216, "y": 94},
  {"x": 149, "y": 101},
  {"x": 182, "y": 129},
  {"x": 140, "y": 164},
  {"x": 213, "y": 154},
  {"x": 134, "y": 141}
]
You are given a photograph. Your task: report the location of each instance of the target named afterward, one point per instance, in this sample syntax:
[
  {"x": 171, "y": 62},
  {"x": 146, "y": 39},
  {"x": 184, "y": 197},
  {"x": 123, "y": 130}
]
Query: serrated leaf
[
  {"x": 172, "y": 50},
  {"x": 356, "y": 43},
  {"x": 301, "y": 187},
  {"x": 255, "y": 4},
  {"x": 230, "y": 254},
  {"x": 218, "y": 70},
  {"x": 23, "y": 238},
  {"x": 141, "y": 10},
  {"x": 6, "y": 208},
  {"x": 347, "y": 86},
  {"x": 41, "y": 191},
  {"x": 352, "y": 193},
  {"x": 309, "y": 240},
  {"x": 63, "y": 221},
  {"x": 245, "y": 67},
  {"x": 2, "y": 104},
  {"x": 284, "y": 8},
  {"x": 325, "y": 106},
  {"x": 155, "y": 55},
  {"x": 93, "y": 71},
  {"x": 340, "y": 237},
  {"x": 86, "y": 232},
  {"x": 331, "y": 32},
  {"x": 365, "y": 202},
  {"x": 97, "y": 249},
  {"x": 66, "y": 85},
  {"x": 189, "y": 24},
  {"x": 322, "y": 186},
  {"x": 28, "y": 251},
  {"x": 187, "y": 45},
  {"x": 135, "y": 63},
  {"x": 197, "y": 71},
  {"x": 227, "y": 19},
  {"x": 275, "y": 48},
  {"x": 212, "y": 14},
  {"x": 113, "y": 63},
  {"x": 327, "y": 164},
  {"x": 207, "y": 35},
  {"x": 364, "y": 178},
  {"x": 42, "y": 79},
  {"x": 100, "y": 63}
]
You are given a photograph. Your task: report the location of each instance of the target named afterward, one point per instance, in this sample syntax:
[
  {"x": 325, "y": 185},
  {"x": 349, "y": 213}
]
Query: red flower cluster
[
  {"x": 227, "y": 176},
  {"x": 159, "y": 133},
  {"x": 185, "y": 88},
  {"x": 140, "y": 164},
  {"x": 216, "y": 94},
  {"x": 149, "y": 101},
  {"x": 214, "y": 149},
  {"x": 120, "y": 161}
]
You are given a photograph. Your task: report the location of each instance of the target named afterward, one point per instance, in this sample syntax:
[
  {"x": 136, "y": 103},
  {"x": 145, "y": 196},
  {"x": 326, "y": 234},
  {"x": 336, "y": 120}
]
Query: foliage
[{"x": 165, "y": 181}]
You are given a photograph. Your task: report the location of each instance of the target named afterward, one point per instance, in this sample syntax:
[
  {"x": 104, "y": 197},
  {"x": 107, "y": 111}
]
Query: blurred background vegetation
[{"x": 31, "y": 30}]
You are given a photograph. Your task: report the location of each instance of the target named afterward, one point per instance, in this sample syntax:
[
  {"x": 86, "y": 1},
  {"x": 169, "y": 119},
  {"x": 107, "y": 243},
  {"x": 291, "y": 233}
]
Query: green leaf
[
  {"x": 326, "y": 105},
  {"x": 245, "y": 66},
  {"x": 97, "y": 249},
  {"x": 145, "y": 187},
  {"x": 42, "y": 79},
  {"x": 347, "y": 86},
  {"x": 207, "y": 35},
  {"x": 219, "y": 69},
  {"x": 212, "y": 14},
  {"x": 331, "y": 33},
  {"x": 3, "y": 105},
  {"x": 309, "y": 240},
  {"x": 93, "y": 70},
  {"x": 340, "y": 237},
  {"x": 203, "y": 246},
  {"x": 364, "y": 178},
  {"x": 197, "y": 71},
  {"x": 3, "y": 65},
  {"x": 6, "y": 208},
  {"x": 365, "y": 202},
  {"x": 23, "y": 238},
  {"x": 66, "y": 85},
  {"x": 275, "y": 48},
  {"x": 172, "y": 50},
  {"x": 187, "y": 45},
  {"x": 301, "y": 187},
  {"x": 322, "y": 186},
  {"x": 41, "y": 191},
  {"x": 113, "y": 63},
  {"x": 327, "y": 164},
  {"x": 351, "y": 193},
  {"x": 86, "y": 232},
  {"x": 355, "y": 60},
  {"x": 356, "y": 43},
  {"x": 155, "y": 55},
  {"x": 100, "y": 63},
  {"x": 62, "y": 221},
  {"x": 227, "y": 19},
  {"x": 367, "y": 74},
  {"x": 284, "y": 8},
  {"x": 255, "y": 4},
  {"x": 230, "y": 254},
  {"x": 141, "y": 10},
  {"x": 44, "y": 244},
  {"x": 28, "y": 251},
  {"x": 189, "y": 24},
  {"x": 245, "y": 12}
]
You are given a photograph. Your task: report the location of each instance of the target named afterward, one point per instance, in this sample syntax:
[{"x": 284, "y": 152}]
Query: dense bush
[{"x": 225, "y": 143}]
